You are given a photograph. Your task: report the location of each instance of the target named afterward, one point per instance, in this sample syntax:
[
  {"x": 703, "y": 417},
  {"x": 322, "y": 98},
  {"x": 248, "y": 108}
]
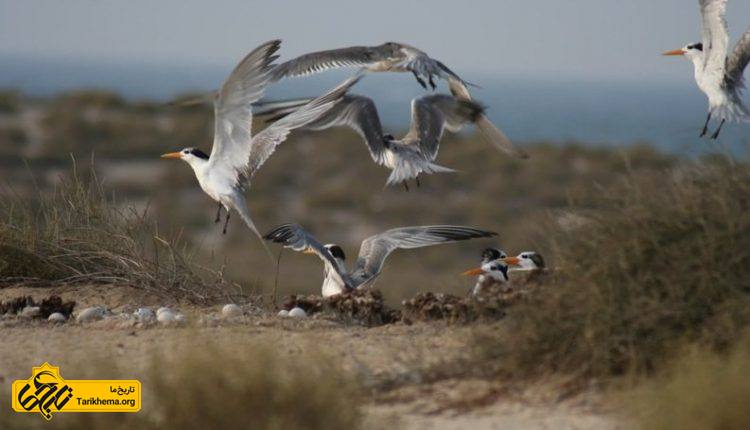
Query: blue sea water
[{"x": 668, "y": 115}]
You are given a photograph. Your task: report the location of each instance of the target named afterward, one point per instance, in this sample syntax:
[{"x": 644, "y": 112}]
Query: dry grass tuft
[
  {"x": 78, "y": 234},
  {"x": 702, "y": 391},
  {"x": 664, "y": 260},
  {"x": 252, "y": 388}
]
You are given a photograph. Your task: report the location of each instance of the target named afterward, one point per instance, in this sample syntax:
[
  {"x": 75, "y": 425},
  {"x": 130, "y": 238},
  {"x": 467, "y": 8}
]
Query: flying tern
[
  {"x": 372, "y": 253},
  {"x": 236, "y": 153},
  {"x": 394, "y": 57},
  {"x": 719, "y": 76},
  {"x": 416, "y": 151}
]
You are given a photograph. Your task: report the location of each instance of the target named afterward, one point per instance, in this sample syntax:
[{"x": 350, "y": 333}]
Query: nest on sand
[
  {"x": 362, "y": 306},
  {"x": 490, "y": 305},
  {"x": 47, "y": 306}
]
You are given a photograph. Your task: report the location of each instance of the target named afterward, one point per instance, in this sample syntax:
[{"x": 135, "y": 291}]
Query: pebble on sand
[
  {"x": 297, "y": 313},
  {"x": 56, "y": 317},
  {"x": 30, "y": 312},
  {"x": 231, "y": 310},
  {"x": 91, "y": 314},
  {"x": 283, "y": 313},
  {"x": 144, "y": 314}
]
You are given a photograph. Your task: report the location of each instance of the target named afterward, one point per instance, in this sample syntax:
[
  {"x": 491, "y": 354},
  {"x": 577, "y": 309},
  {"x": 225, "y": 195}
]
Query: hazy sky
[{"x": 600, "y": 39}]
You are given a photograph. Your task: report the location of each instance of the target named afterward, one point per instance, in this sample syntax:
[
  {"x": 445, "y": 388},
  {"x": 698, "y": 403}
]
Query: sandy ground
[{"x": 396, "y": 362}]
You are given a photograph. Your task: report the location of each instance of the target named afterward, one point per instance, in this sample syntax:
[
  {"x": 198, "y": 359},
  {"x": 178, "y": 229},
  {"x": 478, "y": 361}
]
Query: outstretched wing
[
  {"x": 715, "y": 38},
  {"x": 431, "y": 115},
  {"x": 375, "y": 249},
  {"x": 354, "y": 111},
  {"x": 265, "y": 142},
  {"x": 233, "y": 114},
  {"x": 314, "y": 62},
  {"x": 737, "y": 62},
  {"x": 295, "y": 237}
]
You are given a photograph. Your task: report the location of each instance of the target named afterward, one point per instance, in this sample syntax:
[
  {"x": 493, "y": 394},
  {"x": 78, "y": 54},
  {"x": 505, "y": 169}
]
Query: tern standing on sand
[
  {"x": 372, "y": 253},
  {"x": 237, "y": 154},
  {"x": 719, "y": 76}
]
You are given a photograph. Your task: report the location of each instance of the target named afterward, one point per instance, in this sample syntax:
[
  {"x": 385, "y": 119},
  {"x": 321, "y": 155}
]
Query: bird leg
[
  {"x": 226, "y": 222},
  {"x": 417, "y": 179},
  {"x": 406, "y": 186},
  {"x": 218, "y": 214},
  {"x": 716, "y": 133},
  {"x": 421, "y": 82},
  {"x": 432, "y": 83},
  {"x": 705, "y": 126}
]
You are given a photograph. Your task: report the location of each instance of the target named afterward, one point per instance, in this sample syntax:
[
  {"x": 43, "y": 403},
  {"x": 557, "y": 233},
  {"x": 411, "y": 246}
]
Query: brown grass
[
  {"x": 78, "y": 234},
  {"x": 663, "y": 260},
  {"x": 252, "y": 387},
  {"x": 702, "y": 391}
]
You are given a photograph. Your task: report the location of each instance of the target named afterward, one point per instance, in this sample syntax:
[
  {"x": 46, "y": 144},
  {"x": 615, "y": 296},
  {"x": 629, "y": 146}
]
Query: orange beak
[
  {"x": 512, "y": 261},
  {"x": 171, "y": 155},
  {"x": 473, "y": 272},
  {"x": 675, "y": 52}
]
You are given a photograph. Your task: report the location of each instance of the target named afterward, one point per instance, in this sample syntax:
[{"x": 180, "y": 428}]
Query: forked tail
[{"x": 241, "y": 208}]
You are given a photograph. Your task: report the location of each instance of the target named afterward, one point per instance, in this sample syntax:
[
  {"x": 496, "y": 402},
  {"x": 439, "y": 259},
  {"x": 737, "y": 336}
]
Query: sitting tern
[
  {"x": 237, "y": 154},
  {"x": 416, "y": 151},
  {"x": 719, "y": 76},
  {"x": 372, "y": 253},
  {"x": 496, "y": 266}
]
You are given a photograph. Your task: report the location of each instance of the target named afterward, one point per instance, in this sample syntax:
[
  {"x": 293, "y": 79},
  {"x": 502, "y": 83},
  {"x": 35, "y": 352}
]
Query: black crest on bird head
[
  {"x": 698, "y": 46},
  {"x": 198, "y": 153},
  {"x": 490, "y": 254},
  {"x": 336, "y": 251}
]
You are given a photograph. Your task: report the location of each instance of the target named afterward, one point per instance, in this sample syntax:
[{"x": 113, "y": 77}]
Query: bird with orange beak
[
  {"x": 496, "y": 267},
  {"x": 717, "y": 74},
  {"x": 236, "y": 153}
]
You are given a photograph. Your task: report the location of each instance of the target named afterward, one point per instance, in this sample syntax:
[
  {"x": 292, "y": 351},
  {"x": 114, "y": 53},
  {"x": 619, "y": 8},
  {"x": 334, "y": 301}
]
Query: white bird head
[
  {"x": 192, "y": 156},
  {"x": 530, "y": 260},
  {"x": 691, "y": 51}
]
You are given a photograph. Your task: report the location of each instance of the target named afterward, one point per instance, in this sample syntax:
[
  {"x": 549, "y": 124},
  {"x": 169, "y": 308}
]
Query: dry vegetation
[
  {"x": 253, "y": 387},
  {"x": 664, "y": 261},
  {"x": 78, "y": 234}
]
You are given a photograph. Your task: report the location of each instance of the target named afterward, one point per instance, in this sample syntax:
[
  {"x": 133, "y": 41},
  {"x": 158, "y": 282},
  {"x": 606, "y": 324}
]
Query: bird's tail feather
[
  {"x": 410, "y": 169},
  {"x": 245, "y": 215},
  {"x": 497, "y": 138}
]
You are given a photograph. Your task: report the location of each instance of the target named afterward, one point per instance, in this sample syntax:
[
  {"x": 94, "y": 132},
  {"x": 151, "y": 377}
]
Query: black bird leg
[
  {"x": 421, "y": 82},
  {"x": 705, "y": 126},
  {"x": 218, "y": 214},
  {"x": 406, "y": 186},
  {"x": 417, "y": 179},
  {"x": 432, "y": 83},
  {"x": 226, "y": 222},
  {"x": 716, "y": 133}
]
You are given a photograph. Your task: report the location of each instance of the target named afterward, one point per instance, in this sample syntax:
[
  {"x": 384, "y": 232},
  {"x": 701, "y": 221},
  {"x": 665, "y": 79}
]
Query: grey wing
[
  {"x": 431, "y": 115},
  {"x": 422, "y": 64},
  {"x": 737, "y": 62},
  {"x": 295, "y": 237},
  {"x": 715, "y": 38},
  {"x": 375, "y": 249},
  {"x": 264, "y": 143},
  {"x": 354, "y": 111},
  {"x": 314, "y": 62},
  {"x": 233, "y": 115}
]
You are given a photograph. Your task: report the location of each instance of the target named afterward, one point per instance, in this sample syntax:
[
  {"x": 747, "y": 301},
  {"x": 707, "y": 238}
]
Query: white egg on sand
[
  {"x": 93, "y": 313},
  {"x": 231, "y": 310},
  {"x": 30, "y": 312},
  {"x": 56, "y": 317},
  {"x": 283, "y": 313},
  {"x": 297, "y": 313}
]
